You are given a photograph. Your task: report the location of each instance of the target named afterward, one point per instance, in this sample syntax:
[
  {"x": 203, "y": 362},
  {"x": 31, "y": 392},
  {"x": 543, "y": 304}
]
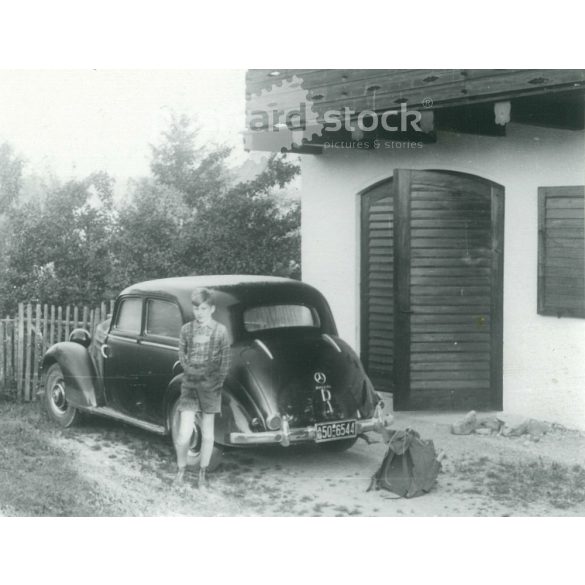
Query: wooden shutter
[
  {"x": 561, "y": 246},
  {"x": 377, "y": 323},
  {"x": 448, "y": 287}
]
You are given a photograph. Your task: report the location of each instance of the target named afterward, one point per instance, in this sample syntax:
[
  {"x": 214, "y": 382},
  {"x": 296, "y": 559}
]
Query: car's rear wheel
[
  {"x": 338, "y": 446},
  {"x": 56, "y": 405},
  {"x": 194, "y": 454}
]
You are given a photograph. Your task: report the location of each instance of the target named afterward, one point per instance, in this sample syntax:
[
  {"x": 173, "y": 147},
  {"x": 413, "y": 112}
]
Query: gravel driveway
[{"x": 128, "y": 472}]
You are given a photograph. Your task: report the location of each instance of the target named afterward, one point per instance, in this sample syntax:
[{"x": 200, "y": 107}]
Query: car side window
[
  {"x": 129, "y": 316},
  {"x": 163, "y": 318}
]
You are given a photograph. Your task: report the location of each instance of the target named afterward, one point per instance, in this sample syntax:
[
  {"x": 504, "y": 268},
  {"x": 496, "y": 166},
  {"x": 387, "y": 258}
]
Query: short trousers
[{"x": 199, "y": 394}]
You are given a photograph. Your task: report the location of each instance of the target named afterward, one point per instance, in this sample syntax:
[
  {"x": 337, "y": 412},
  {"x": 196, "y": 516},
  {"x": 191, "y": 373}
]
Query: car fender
[
  {"x": 365, "y": 393},
  {"x": 78, "y": 371},
  {"x": 173, "y": 392},
  {"x": 234, "y": 416}
]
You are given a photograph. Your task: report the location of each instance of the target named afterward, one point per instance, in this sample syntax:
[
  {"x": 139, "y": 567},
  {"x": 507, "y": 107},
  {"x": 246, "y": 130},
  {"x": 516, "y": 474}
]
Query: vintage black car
[{"x": 292, "y": 378}]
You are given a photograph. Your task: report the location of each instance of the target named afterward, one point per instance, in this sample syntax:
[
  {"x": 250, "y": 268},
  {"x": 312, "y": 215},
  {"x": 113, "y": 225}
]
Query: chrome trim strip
[
  {"x": 287, "y": 436},
  {"x": 331, "y": 341},
  {"x": 111, "y": 413},
  {"x": 161, "y": 345},
  {"x": 120, "y": 338},
  {"x": 263, "y": 347}
]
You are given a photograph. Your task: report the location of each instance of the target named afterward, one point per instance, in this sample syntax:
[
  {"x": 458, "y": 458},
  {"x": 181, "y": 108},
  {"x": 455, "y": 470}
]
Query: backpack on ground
[{"x": 410, "y": 466}]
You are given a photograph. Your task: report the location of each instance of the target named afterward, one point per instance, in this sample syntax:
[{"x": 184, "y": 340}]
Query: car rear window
[
  {"x": 279, "y": 316},
  {"x": 163, "y": 318}
]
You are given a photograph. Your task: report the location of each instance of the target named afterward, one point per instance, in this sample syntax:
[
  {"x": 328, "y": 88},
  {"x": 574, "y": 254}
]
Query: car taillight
[
  {"x": 256, "y": 424},
  {"x": 274, "y": 422}
]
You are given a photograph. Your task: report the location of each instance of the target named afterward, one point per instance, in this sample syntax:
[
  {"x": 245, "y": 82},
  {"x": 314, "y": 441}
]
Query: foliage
[
  {"x": 149, "y": 237},
  {"x": 11, "y": 167},
  {"x": 69, "y": 243},
  {"x": 221, "y": 227},
  {"x": 58, "y": 250},
  {"x": 248, "y": 230},
  {"x": 200, "y": 173},
  {"x": 520, "y": 483}
]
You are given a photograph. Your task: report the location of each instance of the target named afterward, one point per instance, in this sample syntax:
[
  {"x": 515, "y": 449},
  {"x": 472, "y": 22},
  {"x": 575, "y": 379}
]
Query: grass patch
[
  {"x": 48, "y": 471},
  {"x": 36, "y": 478},
  {"x": 525, "y": 482}
]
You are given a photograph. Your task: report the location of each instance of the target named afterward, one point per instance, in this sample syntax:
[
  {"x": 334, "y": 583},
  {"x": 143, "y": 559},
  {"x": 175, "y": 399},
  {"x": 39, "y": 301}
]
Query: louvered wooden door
[
  {"x": 377, "y": 316},
  {"x": 441, "y": 305}
]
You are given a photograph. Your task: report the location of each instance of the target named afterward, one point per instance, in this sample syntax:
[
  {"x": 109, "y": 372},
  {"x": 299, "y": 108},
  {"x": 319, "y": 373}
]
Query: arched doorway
[{"x": 432, "y": 289}]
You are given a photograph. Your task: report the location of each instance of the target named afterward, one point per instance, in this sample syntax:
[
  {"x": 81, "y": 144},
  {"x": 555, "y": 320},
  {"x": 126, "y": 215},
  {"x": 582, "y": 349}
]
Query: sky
[{"x": 75, "y": 122}]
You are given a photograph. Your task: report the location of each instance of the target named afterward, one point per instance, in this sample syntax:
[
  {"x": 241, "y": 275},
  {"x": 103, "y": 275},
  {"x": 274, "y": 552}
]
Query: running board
[{"x": 111, "y": 413}]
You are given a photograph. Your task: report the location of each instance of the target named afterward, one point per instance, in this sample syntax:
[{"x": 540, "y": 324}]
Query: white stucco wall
[{"x": 544, "y": 357}]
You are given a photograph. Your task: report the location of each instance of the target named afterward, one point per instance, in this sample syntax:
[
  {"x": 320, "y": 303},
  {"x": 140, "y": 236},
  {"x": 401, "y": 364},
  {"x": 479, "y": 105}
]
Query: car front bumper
[{"x": 286, "y": 435}]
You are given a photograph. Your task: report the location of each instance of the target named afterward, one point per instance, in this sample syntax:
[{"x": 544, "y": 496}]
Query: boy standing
[{"x": 204, "y": 353}]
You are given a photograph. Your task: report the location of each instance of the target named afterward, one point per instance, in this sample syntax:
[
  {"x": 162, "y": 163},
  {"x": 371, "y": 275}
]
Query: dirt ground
[{"x": 106, "y": 468}]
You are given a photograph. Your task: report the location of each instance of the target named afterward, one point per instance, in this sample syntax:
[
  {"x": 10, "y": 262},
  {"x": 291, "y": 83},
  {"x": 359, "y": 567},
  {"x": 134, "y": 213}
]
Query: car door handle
[{"x": 105, "y": 351}]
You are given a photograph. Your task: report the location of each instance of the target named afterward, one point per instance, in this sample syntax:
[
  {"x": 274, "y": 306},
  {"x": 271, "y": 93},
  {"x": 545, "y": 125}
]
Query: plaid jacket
[{"x": 205, "y": 346}]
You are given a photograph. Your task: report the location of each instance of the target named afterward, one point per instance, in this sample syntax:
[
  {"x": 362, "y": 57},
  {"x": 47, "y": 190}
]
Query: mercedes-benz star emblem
[{"x": 320, "y": 378}]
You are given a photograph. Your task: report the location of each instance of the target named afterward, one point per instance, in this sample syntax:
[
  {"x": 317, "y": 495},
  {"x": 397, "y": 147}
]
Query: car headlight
[{"x": 80, "y": 336}]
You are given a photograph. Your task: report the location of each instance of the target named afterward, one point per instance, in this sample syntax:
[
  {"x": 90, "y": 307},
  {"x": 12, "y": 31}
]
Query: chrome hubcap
[
  {"x": 194, "y": 441},
  {"x": 58, "y": 397}
]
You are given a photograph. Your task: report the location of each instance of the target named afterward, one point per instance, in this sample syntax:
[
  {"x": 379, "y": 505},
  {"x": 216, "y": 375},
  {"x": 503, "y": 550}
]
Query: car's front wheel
[{"x": 56, "y": 405}]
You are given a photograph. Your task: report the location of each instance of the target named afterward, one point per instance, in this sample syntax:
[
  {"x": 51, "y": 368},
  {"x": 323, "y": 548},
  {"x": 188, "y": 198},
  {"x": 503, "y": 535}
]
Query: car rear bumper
[{"x": 286, "y": 435}]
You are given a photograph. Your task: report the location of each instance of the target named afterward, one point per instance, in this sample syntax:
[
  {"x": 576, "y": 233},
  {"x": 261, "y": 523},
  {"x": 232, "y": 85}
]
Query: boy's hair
[{"x": 202, "y": 295}]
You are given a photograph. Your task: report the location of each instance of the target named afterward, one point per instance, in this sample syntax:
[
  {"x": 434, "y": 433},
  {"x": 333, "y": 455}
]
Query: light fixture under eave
[
  {"x": 427, "y": 121},
  {"x": 502, "y": 112},
  {"x": 297, "y": 138}
]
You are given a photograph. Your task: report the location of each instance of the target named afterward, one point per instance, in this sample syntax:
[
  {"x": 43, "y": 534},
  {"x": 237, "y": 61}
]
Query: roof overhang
[{"x": 480, "y": 101}]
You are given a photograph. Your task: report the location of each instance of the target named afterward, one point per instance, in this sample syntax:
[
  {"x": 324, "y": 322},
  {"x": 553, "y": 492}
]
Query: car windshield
[{"x": 279, "y": 316}]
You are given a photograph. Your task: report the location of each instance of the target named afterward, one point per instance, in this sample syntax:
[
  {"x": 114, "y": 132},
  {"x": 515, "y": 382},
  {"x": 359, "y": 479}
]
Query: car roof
[
  {"x": 230, "y": 289},
  {"x": 186, "y": 284},
  {"x": 236, "y": 289}
]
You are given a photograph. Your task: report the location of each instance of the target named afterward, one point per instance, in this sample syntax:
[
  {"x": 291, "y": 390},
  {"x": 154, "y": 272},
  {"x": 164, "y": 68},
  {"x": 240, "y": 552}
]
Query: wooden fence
[{"x": 25, "y": 338}]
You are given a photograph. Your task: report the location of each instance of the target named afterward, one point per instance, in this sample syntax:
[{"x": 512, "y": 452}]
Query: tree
[
  {"x": 151, "y": 234},
  {"x": 58, "y": 250},
  {"x": 11, "y": 167},
  {"x": 224, "y": 227},
  {"x": 68, "y": 243},
  {"x": 200, "y": 173},
  {"x": 247, "y": 228},
  {"x": 251, "y": 229}
]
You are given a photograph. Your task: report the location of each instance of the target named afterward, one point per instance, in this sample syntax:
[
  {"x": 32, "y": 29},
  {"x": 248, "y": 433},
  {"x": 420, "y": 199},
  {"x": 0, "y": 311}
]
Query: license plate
[{"x": 333, "y": 431}]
